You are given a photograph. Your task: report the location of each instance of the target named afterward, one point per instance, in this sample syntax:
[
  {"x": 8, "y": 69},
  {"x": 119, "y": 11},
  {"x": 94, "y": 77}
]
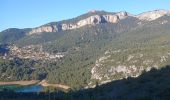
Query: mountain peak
[
  {"x": 152, "y": 15},
  {"x": 92, "y": 11},
  {"x": 123, "y": 14},
  {"x": 95, "y": 17}
]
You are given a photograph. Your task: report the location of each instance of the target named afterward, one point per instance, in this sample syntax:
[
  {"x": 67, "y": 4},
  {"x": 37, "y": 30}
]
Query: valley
[{"x": 86, "y": 52}]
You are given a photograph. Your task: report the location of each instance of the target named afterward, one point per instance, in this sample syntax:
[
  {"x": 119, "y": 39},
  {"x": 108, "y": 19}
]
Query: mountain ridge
[{"x": 95, "y": 17}]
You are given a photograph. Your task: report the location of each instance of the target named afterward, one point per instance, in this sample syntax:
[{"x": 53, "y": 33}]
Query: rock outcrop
[
  {"x": 92, "y": 20},
  {"x": 43, "y": 29},
  {"x": 97, "y": 19},
  {"x": 109, "y": 67},
  {"x": 152, "y": 15}
]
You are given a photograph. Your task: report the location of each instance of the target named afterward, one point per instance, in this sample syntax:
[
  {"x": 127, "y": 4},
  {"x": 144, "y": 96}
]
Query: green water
[{"x": 19, "y": 88}]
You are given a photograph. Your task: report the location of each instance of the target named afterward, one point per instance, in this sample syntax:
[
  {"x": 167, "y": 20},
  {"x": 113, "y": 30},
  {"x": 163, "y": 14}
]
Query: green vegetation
[
  {"x": 12, "y": 35},
  {"x": 18, "y": 69},
  {"x": 149, "y": 86}
]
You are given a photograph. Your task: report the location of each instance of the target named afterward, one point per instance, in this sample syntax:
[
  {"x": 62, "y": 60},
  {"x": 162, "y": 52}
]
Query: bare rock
[
  {"x": 152, "y": 15},
  {"x": 43, "y": 29},
  {"x": 92, "y": 20}
]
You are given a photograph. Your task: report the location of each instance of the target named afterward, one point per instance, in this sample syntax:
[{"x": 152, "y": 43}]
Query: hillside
[{"x": 92, "y": 49}]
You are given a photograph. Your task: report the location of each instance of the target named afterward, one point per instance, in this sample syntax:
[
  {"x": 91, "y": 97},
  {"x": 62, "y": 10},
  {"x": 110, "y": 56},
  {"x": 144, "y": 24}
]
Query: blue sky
[{"x": 32, "y": 13}]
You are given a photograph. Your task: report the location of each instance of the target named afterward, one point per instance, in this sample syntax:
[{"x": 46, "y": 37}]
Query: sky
[{"x": 33, "y": 13}]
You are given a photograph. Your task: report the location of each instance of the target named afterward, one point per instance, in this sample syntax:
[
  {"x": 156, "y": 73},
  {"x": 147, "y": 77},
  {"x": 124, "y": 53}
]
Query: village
[{"x": 34, "y": 52}]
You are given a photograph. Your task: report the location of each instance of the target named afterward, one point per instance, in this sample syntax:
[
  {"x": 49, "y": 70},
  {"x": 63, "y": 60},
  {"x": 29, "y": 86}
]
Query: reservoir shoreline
[{"x": 43, "y": 83}]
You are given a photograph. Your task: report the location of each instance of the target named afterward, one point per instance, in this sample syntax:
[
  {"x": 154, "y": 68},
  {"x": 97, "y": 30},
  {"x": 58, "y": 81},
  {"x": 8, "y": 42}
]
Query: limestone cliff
[
  {"x": 96, "y": 18},
  {"x": 92, "y": 20}
]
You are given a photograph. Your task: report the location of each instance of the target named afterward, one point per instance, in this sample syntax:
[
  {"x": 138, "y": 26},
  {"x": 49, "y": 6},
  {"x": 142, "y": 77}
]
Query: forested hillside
[{"x": 151, "y": 85}]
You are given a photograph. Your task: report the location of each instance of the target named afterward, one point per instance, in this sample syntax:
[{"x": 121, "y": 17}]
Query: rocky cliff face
[
  {"x": 92, "y": 20},
  {"x": 43, "y": 29},
  {"x": 97, "y": 19}
]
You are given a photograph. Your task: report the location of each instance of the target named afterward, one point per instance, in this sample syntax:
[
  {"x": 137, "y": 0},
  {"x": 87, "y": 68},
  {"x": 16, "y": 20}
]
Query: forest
[{"x": 148, "y": 86}]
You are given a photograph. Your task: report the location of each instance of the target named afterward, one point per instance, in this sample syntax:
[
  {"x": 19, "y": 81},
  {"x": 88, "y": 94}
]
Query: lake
[{"x": 19, "y": 88}]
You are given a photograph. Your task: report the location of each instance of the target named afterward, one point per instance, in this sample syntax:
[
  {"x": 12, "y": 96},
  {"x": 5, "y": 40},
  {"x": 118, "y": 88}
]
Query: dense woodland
[{"x": 149, "y": 86}]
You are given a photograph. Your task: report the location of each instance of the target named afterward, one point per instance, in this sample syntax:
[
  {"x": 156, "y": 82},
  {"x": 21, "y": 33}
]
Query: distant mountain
[{"x": 90, "y": 18}]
